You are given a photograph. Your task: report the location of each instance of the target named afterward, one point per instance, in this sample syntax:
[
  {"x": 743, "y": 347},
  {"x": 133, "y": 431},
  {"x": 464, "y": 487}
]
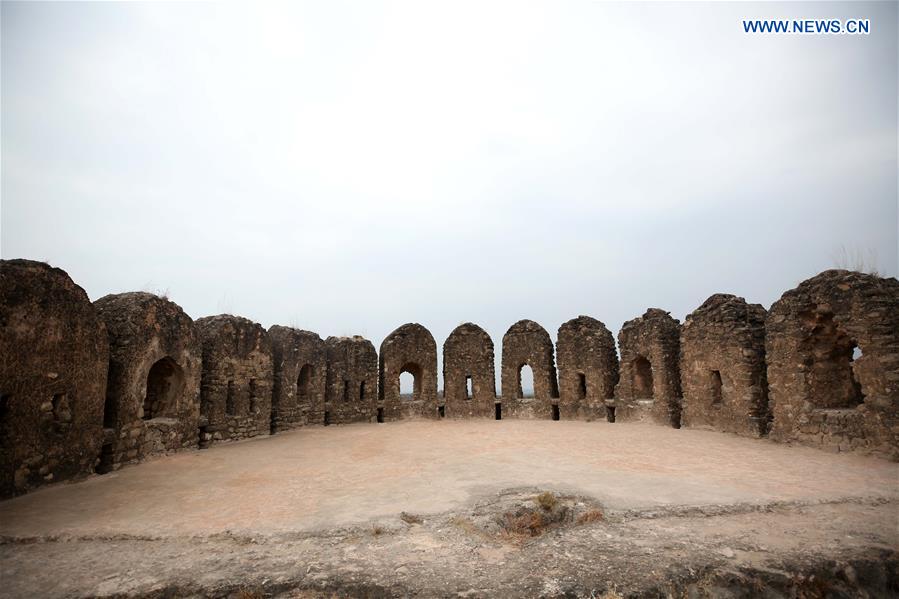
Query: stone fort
[{"x": 89, "y": 387}]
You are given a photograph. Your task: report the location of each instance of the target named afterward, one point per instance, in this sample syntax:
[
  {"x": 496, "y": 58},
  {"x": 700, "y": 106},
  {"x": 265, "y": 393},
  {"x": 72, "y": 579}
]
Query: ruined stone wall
[
  {"x": 833, "y": 363},
  {"x": 526, "y": 342},
  {"x": 723, "y": 367},
  {"x": 410, "y": 348},
  {"x": 300, "y": 376},
  {"x": 649, "y": 383},
  {"x": 588, "y": 368},
  {"x": 153, "y": 388},
  {"x": 53, "y": 364},
  {"x": 236, "y": 385},
  {"x": 468, "y": 360},
  {"x": 351, "y": 390}
]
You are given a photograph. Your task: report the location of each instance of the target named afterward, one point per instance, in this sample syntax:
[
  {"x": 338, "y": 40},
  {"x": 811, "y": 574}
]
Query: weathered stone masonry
[
  {"x": 723, "y": 367},
  {"x": 588, "y": 368},
  {"x": 153, "y": 387},
  {"x": 469, "y": 378},
  {"x": 528, "y": 343},
  {"x": 352, "y": 381},
  {"x": 649, "y": 385},
  {"x": 410, "y": 348},
  {"x": 833, "y": 363},
  {"x": 300, "y": 375},
  {"x": 821, "y": 368},
  {"x": 52, "y": 377},
  {"x": 236, "y": 386}
]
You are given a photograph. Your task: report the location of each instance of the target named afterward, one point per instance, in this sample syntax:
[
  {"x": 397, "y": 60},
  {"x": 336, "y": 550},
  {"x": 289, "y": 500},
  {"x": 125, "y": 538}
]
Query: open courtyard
[{"x": 429, "y": 507}]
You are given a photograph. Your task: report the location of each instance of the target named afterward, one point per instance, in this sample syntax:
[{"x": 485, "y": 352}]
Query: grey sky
[{"x": 347, "y": 168}]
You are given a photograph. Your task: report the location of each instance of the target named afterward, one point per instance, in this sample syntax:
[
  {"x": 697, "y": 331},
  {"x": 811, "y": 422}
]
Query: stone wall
[
  {"x": 833, "y": 363},
  {"x": 351, "y": 390},
  {"x": 300, "y": 376},
  {"x": 723, "y": 367},
  {"x": 52, "y": 377},
  {"x": 528, "y": 343},
  {"x": 588, "y": 368},
  {"x": 236, "y": 385},
  {"x": 469, "y": 379},
  {"x": 153, "y": 389},
  {"x": 649, "y": 383},
  {"x": 410, "y": 348},
  {"x": 831, "y": 378}
]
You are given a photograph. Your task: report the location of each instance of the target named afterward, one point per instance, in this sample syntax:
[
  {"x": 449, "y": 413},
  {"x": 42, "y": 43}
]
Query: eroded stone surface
[
  {"x": 469, "y": 379},
  {"x": 153, "y": 390},
  {"x": 52, "y": 377},
  {"x": 723, "y": 367},
  {"x": 588, "y": 368},
  {"x": 236, "y": 385},
  {"x": 410, "y": 348},
  {"x": 300, "y": 375},
  {"x": 649, "y": 385},
  {"x": 833, "y": 363},
  {"x": 352, "y": 382}
]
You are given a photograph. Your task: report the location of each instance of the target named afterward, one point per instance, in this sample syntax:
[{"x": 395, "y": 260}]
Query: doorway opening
[
  {"x": 642, "y": 381},
  {"x": 555, "y": 411},
  {"x": 581, "y": 385},
  {"x": 525, "y": 382},
  {"x": 717, "y": 387},
  {"x": 498, "y": 411},
  {"x": 441, "y": 411},
  {"x": 380, "y": 417},
  {"x": 164, "y": 384}
]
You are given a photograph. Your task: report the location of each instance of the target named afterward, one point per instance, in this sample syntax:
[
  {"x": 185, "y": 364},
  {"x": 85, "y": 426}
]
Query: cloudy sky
[{"x": 349, "y": 167}]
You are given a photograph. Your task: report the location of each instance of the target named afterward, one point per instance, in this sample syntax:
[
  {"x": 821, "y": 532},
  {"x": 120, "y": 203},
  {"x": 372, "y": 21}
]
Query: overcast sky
[{"x": 349, "y": 167}]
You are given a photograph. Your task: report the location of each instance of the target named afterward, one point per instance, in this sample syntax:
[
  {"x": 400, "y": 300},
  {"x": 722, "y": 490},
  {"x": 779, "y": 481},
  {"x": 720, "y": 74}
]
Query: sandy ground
[{"x": 308, "y": 509}]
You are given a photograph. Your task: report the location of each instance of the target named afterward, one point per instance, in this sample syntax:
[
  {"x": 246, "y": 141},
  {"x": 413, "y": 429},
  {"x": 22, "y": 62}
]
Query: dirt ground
[{"x": 424, "y": 509}]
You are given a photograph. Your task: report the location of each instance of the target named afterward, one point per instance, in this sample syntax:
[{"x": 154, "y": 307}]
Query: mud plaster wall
[
  {"x": 649, "y": 382},
  {"x": 149, "y": 335},
  {"x": 588, "y": 368},
  {"x": 468, "y": 354},
  {"x": 236, "y": 385},
  {"x": 821, "y": 392},
  {"x": 300, "y": 376},
  {"x": 723, "y": 367},
  {"x": 526, "y": 342},
  {"x": 52, "y": 377},
  {"x": 352, "y": 380},
  {"x": 410, "y": 348}
]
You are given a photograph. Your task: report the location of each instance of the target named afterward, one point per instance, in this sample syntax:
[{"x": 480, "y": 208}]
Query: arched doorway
[{"x": 165, "y": 383}]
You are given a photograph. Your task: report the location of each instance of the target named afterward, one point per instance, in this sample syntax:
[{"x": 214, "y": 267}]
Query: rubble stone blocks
[
  {"x": 649, "y": 383},
  {"x": 833, "y": 363},
  {"x": 588, "y": 368},
  {"x": 723, "y": 367},
  {"x": 528, "y": 343},
  {"x": 153, "y": 388},
  {"x": 300, "y": 376},
  {"x": 469, "y": 378},
  {"x": 236, "y": 385},
  {"x": 410, "y": 348},
  {"x": 52, "y": 377},
  {"x": 351, "y": 388}
]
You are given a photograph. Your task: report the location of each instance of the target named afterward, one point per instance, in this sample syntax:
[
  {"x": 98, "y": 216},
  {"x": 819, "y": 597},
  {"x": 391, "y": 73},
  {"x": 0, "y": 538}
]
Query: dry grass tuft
[
  {"x": 589, "y": 516},
  {"x": 410, "y": 518},
  {"x": 546, "y": 500}
]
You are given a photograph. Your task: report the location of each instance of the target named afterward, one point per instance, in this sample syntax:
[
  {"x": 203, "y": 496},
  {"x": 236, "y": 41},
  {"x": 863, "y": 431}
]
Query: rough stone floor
[{"x": 436, "y": 509}]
